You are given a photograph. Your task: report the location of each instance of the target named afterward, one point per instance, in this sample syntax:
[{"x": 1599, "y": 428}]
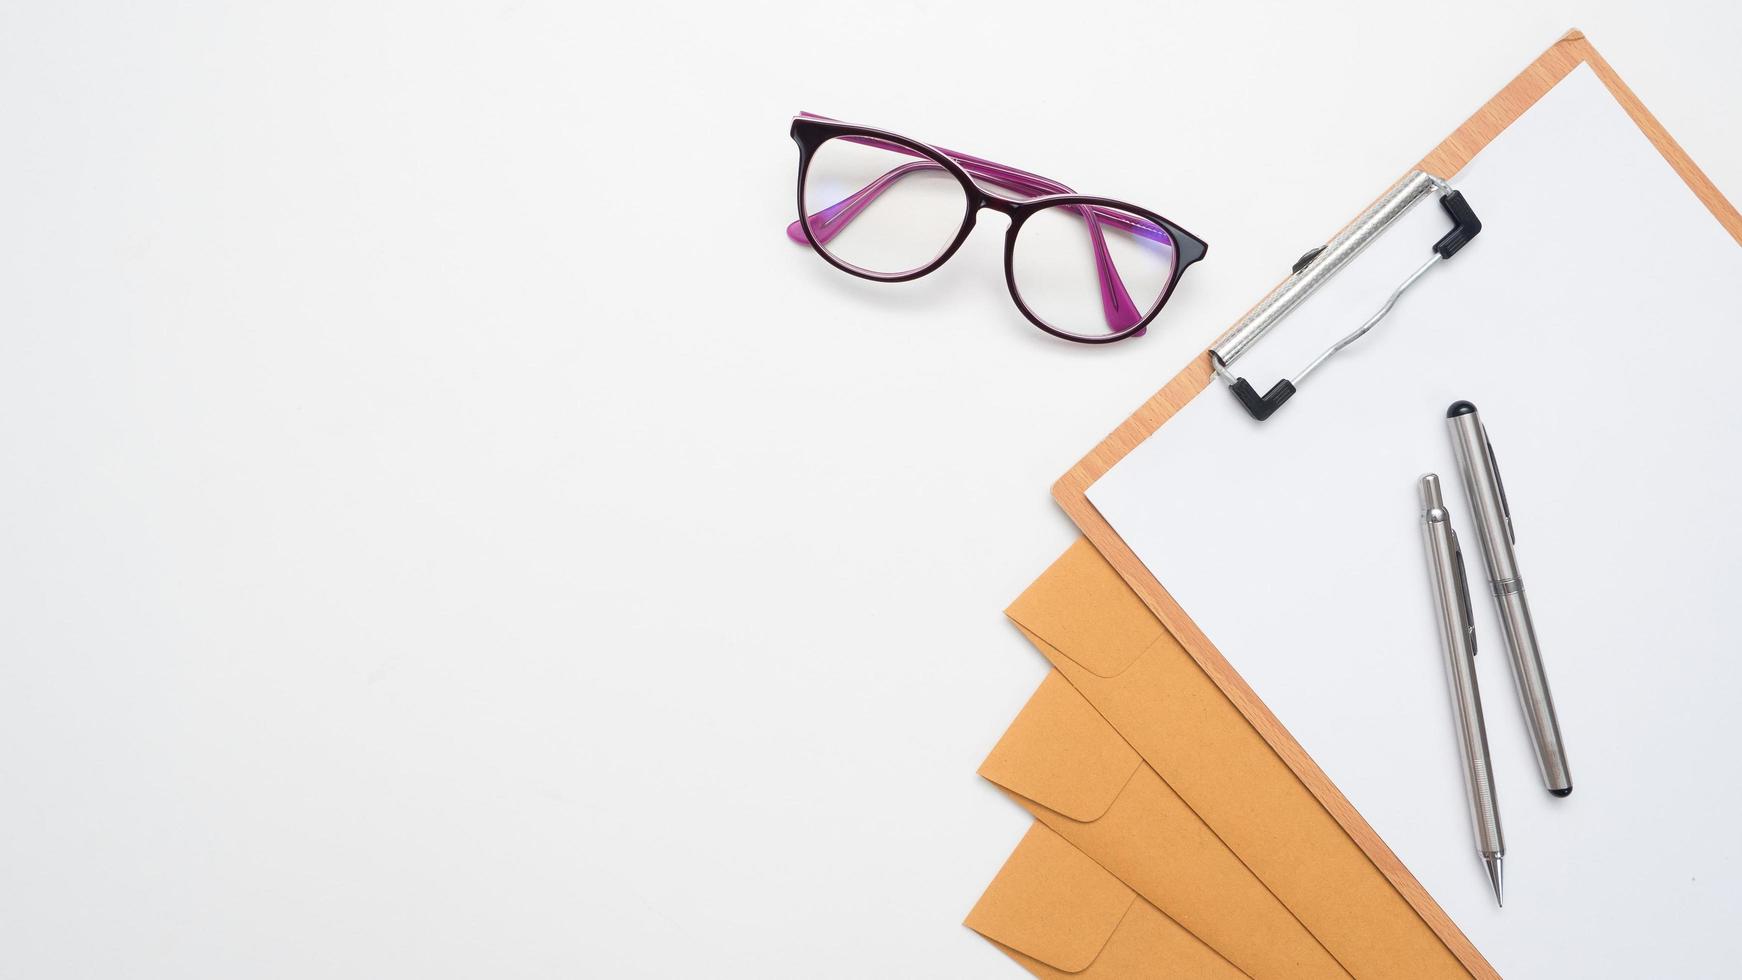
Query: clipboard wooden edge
[{"x": 1071, "y": 490}]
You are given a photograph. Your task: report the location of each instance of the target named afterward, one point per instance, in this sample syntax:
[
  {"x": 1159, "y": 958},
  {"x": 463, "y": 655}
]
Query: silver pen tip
[
  {"x": 1494, "y": 878},
  {"x": 1428, "y": 487}
]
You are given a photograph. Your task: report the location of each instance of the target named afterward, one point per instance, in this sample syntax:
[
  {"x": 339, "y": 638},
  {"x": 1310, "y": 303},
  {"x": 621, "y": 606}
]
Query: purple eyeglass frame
[{"x": 811, "y": 131}]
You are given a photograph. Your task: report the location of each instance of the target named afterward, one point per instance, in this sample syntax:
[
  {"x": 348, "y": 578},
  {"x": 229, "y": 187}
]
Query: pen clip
[
  {"x": 1463, "y": 582},
  {"x": 1500, "y": 485}
]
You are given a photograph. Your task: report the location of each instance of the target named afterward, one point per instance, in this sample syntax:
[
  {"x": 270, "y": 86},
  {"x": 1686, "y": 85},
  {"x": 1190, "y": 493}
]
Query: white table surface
[{"x": 447, "y": 530}]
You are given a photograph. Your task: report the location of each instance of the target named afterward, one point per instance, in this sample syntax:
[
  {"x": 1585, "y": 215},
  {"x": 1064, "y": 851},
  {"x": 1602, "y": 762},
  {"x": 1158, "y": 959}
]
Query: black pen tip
[
  {"x": 1562, "y": 793},
  {"x": 1460, "y": 408}
]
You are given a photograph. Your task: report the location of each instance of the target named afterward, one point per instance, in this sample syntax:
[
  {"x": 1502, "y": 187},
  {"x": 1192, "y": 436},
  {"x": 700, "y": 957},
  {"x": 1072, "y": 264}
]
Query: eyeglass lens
[
  {"x": 880, "y": 207},
  {"x": 1091, "y": 271}
]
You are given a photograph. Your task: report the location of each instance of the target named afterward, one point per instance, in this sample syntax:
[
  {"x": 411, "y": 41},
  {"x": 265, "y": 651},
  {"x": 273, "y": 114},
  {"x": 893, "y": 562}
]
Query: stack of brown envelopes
[{"x": 1169, "y": 838}]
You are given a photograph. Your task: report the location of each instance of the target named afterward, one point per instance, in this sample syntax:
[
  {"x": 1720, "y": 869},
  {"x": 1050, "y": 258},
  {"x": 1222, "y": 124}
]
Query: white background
[{"x": 446, "y": 529}]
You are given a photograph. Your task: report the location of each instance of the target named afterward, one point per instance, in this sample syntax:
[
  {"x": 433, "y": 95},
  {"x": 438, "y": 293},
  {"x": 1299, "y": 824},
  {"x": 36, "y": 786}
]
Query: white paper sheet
[{"x": 1594, "y": 323}]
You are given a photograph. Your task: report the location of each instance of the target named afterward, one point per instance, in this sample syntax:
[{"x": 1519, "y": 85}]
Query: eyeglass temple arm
[
  {"x": 1116, "y": 302},
  {"x": 829, "y": 222}
]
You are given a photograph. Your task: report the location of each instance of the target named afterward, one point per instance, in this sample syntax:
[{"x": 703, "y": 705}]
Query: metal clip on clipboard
[{"x": 1318, "y": 265}]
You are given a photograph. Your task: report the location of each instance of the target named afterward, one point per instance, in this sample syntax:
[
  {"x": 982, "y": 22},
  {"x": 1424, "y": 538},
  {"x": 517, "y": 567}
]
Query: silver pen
[
  {"x": 1458, "y": 635},
  {"x": 1494, "y": 522}
]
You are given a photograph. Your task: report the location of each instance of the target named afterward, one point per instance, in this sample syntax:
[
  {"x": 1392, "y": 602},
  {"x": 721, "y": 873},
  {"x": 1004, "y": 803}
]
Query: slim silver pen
[
  {"x": 1458, "y": 635},
  {"x": 1494, "y": 521}
]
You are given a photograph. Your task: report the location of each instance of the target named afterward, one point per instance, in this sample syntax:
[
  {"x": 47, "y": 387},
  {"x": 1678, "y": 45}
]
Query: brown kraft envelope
[
  {"x": 1059, "y": 914},
  {"x": 1100, "y": 636},
  {"x": 1062, "y": 762}
]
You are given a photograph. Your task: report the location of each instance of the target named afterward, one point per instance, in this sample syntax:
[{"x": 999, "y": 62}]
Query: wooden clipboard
[{"x": 1445, "y": 161}]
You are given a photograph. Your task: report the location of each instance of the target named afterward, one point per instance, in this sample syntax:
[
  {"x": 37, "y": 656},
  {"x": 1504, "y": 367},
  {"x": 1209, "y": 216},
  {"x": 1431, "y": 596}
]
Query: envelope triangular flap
[
  {"x": 1052, "y": 902},
  {"x": 1082, "y": 608},
  {"x": 1060, "y": 753}
]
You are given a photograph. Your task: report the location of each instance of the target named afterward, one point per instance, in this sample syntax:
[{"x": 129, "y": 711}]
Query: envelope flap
[
  {"x": 1060, "y": 753},
  {"x": 1052, "y": 902},
  {"x": 1082, "y": 608}
]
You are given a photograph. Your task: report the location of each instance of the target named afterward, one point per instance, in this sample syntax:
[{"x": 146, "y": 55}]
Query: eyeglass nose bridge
[{"x": 993, "y": 201}]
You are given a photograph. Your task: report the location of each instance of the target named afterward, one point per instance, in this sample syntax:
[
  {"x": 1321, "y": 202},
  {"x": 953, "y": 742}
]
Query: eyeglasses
[{"x": 885, "y": 207}]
